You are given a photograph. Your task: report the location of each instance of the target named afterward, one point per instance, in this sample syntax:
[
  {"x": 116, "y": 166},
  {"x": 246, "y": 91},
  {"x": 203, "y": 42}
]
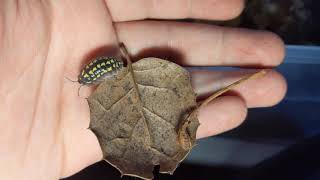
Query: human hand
[{"x": 43, "y": 132}]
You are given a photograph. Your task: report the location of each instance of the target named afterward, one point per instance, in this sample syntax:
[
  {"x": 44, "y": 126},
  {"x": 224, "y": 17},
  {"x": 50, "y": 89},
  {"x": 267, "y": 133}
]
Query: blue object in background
[
  {"x": 269, "y": 131},
  {"x": 301, "y": 106}
]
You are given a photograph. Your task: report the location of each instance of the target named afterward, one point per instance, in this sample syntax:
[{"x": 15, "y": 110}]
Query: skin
[{"x": 43, "y": 132}]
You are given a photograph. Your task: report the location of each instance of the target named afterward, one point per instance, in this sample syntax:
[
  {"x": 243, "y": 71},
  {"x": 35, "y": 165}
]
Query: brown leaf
[{"x": 145, "y": 116}]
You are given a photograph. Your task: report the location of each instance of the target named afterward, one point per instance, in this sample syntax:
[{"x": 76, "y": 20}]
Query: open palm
[{"x": 43, "y": 131}]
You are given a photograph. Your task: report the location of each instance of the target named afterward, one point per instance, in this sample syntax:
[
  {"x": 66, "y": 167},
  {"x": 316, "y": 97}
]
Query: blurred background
[{"x": 281, "y": 142}]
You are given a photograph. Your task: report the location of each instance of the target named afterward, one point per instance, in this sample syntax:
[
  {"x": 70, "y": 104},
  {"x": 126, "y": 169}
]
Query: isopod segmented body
[{"x": 100, "y": 68}]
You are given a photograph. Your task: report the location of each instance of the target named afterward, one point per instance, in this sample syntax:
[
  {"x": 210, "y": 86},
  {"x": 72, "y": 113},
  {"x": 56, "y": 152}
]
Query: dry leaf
[
  {"x": 137, "y": 117},
  {"x": 147, "y": 116}
]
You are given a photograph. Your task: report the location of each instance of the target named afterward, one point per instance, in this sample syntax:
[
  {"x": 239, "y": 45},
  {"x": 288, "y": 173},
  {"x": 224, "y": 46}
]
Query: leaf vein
[
  {"x": 119, "y": 100},
  {"x": 143, "y": 70},
  {"x": 163, "y": 119},
  {"x": 130, "y": 136},
  {"x": 155, "y": 87},
  {"x": 163, "y": 153},
  {"x": 100, "y": 104}
]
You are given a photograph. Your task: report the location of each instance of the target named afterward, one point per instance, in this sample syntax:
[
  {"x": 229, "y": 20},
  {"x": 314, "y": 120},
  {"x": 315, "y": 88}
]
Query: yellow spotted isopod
[{"x": 99, "y": 69}]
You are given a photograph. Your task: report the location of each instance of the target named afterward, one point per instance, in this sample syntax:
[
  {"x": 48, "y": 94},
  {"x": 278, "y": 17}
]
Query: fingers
[
  {"x": 204, "y": 44},
  {"x": 124, "y": 10},
  {"x": 264, "y": 91},
  {"x": 220, "y": 115}
]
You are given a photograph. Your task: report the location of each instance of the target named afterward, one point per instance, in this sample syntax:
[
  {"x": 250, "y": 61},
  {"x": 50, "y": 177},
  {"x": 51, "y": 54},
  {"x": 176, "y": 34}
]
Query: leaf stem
[{"x": 231, "y": 86}]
